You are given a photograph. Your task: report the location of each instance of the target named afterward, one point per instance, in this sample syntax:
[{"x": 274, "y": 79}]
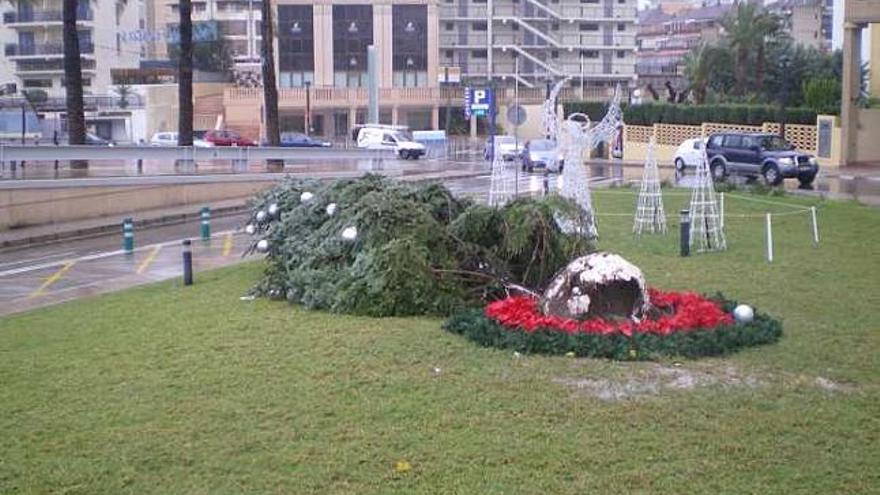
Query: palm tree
[
  {"x": 739, "y": 26},
  {"x": 767, "y": 24},
  {"x": 76, "y": 119},
  {"x": 699, "y": 66},
  {"x": 184, "y": 77},
  {"x": 270, "y": 90}
]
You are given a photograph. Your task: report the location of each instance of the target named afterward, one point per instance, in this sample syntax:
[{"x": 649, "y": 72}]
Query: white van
[{"x": 384, "y": 137}]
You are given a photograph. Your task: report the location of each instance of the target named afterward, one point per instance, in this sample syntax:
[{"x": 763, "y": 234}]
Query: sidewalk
[{"x": 92, "y": 227}]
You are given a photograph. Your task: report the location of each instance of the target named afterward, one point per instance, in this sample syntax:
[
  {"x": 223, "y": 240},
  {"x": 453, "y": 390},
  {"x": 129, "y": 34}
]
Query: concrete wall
[
  {"x": 45, "y": 205},
  {"x": 868, "y": 149}
]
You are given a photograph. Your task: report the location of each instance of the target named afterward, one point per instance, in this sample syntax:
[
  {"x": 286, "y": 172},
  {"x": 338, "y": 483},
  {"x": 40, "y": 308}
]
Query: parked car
[
  {"x": 541, "y": 153},
  {"x": 689, "y": 154},
  {"x": 300, "y": 140},
  {"x": 508, "y": 147},
  {"x": 227, "y": 138},
  {"x": 170, "y": 139},
  {"x": 757, "y": 154},
  {"x": 381, "y": 137},
  {"x": 95, "y": 140}
]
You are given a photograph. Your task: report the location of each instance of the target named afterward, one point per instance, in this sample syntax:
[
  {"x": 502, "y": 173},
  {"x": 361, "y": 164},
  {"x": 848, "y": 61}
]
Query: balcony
[
  {"x": 331, "y": 97},
  {"x": 42, "y": 17},
  {"x": 54, "y": 66},
  {"x": 45, "y": 50}
]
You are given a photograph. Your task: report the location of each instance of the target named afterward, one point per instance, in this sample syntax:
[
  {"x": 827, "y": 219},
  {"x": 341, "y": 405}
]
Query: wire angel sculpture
[
  {"x": 549, "y": 117},
  {"x": 650, "y": 216},
  {"x": 577, "y": 138}
]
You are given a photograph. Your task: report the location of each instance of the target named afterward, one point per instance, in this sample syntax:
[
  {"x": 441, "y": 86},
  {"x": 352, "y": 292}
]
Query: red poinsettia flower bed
[{"x": 679, "y": 312}]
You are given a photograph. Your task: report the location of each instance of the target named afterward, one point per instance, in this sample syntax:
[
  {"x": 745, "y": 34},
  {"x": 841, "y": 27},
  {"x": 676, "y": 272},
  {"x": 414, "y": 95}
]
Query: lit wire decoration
[
  {"x": 650, "y": 216},
  {"x": 706, "y": 231}
]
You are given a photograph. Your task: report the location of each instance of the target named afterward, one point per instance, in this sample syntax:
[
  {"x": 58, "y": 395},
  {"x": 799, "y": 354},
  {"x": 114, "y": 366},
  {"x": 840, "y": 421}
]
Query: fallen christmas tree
[{"x": 377, "y": 247}]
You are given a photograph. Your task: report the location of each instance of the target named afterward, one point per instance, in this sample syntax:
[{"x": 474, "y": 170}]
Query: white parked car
[
  {"x": 689, "y": 154},
  {"x": 170, "y": 139},
  {"x": 382, "y": 137},
  {"x": 508, "y": 147}
]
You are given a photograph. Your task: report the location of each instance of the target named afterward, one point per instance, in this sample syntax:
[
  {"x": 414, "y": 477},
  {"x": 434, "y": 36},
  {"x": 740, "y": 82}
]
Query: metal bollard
[
  {"x": 206, "y": 223},
  {"x": 187, "y": 262},
  {"x": 128, "y": 235},
  {"x": 546, "y": 182},
  {"x": 685, "y": 233}
]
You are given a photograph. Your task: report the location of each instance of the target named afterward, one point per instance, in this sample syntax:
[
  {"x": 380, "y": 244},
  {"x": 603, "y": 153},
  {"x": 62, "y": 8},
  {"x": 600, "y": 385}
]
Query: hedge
[
  {"x": 665, "y": 113},
  {"x": 476, "y": 326}
]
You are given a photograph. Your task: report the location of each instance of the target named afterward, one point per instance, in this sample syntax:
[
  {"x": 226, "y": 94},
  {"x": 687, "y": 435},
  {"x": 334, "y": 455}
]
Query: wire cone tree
[
  {"x": 650, "y": 216},
  {"x": 706, "y": 232}
]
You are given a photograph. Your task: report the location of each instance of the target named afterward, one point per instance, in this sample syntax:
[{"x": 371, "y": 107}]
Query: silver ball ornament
[
  {"x": 263, "y": 246},
  {"x": 262, "y": 216},
  {"x": 743, "y": 314},
  {"x": 274, "y": 210},
  {"x": 250, "y": 229},
  {"x": 331, "y": 209},
  {"x": 350, "y": 233},
  {"x": 306, "y": 197}
]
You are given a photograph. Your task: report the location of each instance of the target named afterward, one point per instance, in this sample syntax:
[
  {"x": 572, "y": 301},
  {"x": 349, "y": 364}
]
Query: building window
[
  {"x": 621, "y": 26},
  {"x": 590, "y": 54},
  {"x": 409, "y": 33},
  {"x": 37, "y": 83},
  {"x": 296, "y": 43},
  {"x": 480, "y": 26},
  {"x": 352, "y": 34},
  {"x": 449, "y": 54},
  {"x": 621, "y": 53},
  {"x": 589, "y": 26},
  {"x": 478, "y": 1},
  {"x": 589, "y": 1},
  {"x": 554, "y": 54},
  {"x": 479, "y": 54},
  {"x": 554, "y": 26},
  {"x": 450, "y": 26}
]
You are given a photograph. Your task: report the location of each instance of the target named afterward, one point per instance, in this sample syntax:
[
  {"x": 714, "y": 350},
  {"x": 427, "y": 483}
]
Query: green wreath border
[{"x": 725, "y": 339}]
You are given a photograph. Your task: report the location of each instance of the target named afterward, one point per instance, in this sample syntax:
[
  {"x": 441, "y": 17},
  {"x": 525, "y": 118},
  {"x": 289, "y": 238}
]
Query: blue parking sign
[{"x": 478, "y": 102}]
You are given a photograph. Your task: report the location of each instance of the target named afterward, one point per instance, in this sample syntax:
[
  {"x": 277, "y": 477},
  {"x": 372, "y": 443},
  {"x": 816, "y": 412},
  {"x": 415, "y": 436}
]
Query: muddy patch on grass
[
  {"x": 655, "y": 379},
  {"x": 633, "y": 381}
]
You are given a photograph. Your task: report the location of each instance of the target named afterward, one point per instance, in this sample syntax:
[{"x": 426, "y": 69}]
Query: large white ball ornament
[
  {"x": 350, "y": 233},
  {"x": 331, "y": 209},
  {"x": 263, "y": 246},
  {"x": 743, "y": 314},
  {"x": 306, "y": 197},
  {"x": 250, "y": 229},
  {"x": 261, "y": 216},
  {"x": 274, "y": 210}
]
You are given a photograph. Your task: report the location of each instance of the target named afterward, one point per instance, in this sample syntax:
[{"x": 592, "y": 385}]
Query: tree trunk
[
  {"x": 760, "y": 64},
  {"x": 270, "y": 90},
  {"x": 184, "y": 77},
  {"x": 76, "y": 119},
  {"x": 742, "y": 59}
]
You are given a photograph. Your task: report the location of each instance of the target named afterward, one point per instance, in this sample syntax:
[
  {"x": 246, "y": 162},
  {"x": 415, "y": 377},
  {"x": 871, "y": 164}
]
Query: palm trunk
[
  {"x": 742, "y": 59},
  {"x": 760, "y": 64},
  {"x": 184, "y": 77},
  {"x": 76, "y": 120},
  {"x": 270, "y": 90}
]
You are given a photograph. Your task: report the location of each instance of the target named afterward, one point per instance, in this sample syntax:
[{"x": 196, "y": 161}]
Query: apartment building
[
  {"x": 665, "y": 39},
  {"x": 33, "y": 48},
  {"x": 321, "y": 59},
  {"x": 805, "y": 21},
  {"x": 237, "y": 21},
  {"x": 534, "y": 41}
]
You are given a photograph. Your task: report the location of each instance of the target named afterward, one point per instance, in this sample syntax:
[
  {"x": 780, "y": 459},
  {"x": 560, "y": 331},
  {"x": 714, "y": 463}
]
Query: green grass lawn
[{"x": 165, "y": 389}]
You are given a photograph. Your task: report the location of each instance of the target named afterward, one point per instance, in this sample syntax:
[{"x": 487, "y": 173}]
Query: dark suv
[{"x": 753, "y": 155}]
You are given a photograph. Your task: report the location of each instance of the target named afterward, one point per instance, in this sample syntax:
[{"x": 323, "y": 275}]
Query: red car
[{"x": 227, "y": 138}]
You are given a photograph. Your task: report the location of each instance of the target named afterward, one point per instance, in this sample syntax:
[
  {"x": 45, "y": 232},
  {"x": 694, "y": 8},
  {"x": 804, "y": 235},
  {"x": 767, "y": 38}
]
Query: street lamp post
[{"x": 307, "y": 120}]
